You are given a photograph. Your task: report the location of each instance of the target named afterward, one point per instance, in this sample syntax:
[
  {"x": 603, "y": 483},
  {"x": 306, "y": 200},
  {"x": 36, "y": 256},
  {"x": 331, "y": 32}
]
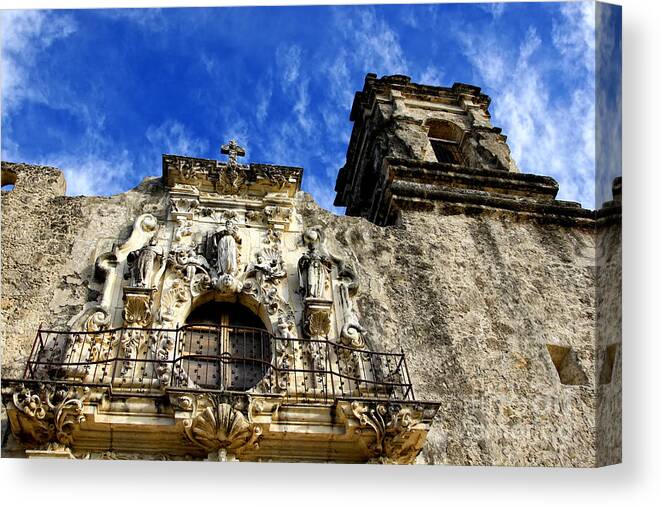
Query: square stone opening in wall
[
  {"x": 566, "y": 364},
  {"x": 608, "y": 364}
]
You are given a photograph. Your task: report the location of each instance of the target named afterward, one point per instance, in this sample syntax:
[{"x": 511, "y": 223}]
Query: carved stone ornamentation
[
  {"x": 47, "y": 414},
  {"x": 226, "y": 242},
  {"x": 129, "y": 343},
  {"x": 189, "y": 169},
  {"x": 218, "y": 215},
  {"x": 277, "y": 176},
  {"x": 317, "y": 324},
  {"x": 214, "y": 425},
  {"x": 184, "y": 229},
  {"x": 269, "y": 266},
  {"x": 230, "y": 178},
  {"x": 162, "y": 346},
  {"x": 194, "y": 268},
  {"x": 313, "y": 267},
  {"x": 399, "y": 433},
  {"x": 183, "y": 204},
  {"x": 285, "y": 351},
  {"x": 98, "y": 319},
  {"x": 138, "y": 306},
  {"x": 143, "y": 264},
  {"x": 352, "y": 332},
  {"x": 175, "y": 294},
  {"x": 277, "y": 213}
]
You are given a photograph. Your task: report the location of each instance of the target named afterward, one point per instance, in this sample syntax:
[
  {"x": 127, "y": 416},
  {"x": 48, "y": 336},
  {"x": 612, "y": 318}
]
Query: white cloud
[
  {"x": 496, "y": 9},
  {"x": 432, "y": 76},
  {"x": 288, "y": 59},
  {"x": 91, "y": 171},
  {"x": 302, "y": 104},
  {"x": 24, "y": 35},
  {"x": 151, "y": 19},
  {"x": 264, "y": 95},
  {"x": 547, "y": 135},
  {"x": 574, "y": 34},
  {"x": 609, "y": 102},
  {"x": 375, "y": 46},
  {"x": 210, "y": 63},
  {"x": 172, "y": 137}
]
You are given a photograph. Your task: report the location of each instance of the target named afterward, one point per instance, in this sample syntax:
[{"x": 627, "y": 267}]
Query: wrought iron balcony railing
[{"x": 217, "y": 358}]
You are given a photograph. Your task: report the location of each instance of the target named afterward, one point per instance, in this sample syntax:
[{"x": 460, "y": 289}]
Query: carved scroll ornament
[
  {"x": 47, "y": 414},
  {"x": 399, "y": 433}
]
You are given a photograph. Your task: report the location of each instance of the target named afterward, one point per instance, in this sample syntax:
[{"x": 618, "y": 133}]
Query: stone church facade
[{"x": 459, "y": 314}]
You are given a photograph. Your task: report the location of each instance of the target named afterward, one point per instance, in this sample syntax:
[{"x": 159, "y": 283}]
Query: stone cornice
[
  {"x": 231, "y": 178},
  {"x": 450, "y": 189},
  {"x": 374, "y": 86}
]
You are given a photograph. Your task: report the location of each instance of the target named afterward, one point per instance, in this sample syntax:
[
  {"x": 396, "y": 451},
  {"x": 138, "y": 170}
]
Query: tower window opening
[
  {"x": 446, "y": 152},
  {"x": 445, "y": 138}
]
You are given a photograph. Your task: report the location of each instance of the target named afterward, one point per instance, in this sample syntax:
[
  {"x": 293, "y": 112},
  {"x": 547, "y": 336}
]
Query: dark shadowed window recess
[
  {"x": 445, "y": 139},
  {"x": 446, "y": 151},
  {"x": 7, "y": 180},
  {"x": 225, "y": 346}
]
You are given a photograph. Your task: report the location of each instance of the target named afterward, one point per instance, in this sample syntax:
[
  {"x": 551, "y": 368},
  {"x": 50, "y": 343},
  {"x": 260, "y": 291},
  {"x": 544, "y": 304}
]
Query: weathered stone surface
[
  {"x": 49, "y": 245},
  {"x": 506, "y": 302},
  {"x": 474, "y": 301}
]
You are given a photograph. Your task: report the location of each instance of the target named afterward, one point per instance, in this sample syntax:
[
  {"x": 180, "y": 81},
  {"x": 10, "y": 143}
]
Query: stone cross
[{"x": 232, "y": 150}]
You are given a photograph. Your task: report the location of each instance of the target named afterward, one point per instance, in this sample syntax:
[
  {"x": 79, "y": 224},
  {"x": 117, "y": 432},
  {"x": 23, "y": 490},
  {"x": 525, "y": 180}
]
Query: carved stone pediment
[{"x": 230, "y": 178}]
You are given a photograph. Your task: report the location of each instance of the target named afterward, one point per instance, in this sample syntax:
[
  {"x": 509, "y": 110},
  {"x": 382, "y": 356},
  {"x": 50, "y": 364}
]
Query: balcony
[
  {"x": 220, "y": 359},
  {"x": 213, "y": 392}
]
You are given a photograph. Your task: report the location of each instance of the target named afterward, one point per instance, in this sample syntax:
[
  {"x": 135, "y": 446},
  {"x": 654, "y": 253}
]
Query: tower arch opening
[{"x": 445, "y": 138}]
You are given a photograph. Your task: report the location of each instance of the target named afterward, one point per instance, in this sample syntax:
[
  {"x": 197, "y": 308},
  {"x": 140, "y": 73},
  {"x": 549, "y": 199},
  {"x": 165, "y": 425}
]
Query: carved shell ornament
[
  {"x": 270, "y": 264},
  {"x": 220, "y": 426},
  {"x": 137, "y": 310}
]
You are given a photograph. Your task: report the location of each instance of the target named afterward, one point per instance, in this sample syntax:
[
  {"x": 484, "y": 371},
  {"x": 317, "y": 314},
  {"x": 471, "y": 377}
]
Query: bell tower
[{"x": 420, "y": 147}]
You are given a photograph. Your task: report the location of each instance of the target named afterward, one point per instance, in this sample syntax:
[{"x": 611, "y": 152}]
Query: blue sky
[{"x": 103, "y": 93}]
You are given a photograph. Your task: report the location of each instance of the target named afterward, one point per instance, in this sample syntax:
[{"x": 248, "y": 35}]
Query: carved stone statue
[
  {"x": 313, "y": 267},
  {"x": 269, "y": 265},
  {"x": 142, "y": 264},
  {"x": 226, "y": 241},
  {"x": 190, "y": 263}
]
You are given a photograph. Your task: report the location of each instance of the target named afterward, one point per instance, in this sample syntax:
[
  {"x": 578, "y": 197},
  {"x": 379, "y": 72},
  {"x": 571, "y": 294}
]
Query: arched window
[
  {"x": 225, "y": 346},
  {"x": 445, "y": 139}
]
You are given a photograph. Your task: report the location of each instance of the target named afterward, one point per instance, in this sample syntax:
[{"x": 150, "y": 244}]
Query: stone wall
[
  {"x": 476, "y": 301},
  {"x": 49, "y": 245}
]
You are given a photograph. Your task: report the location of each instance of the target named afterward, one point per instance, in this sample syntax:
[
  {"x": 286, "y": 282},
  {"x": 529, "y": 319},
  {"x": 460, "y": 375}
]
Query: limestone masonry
[{"x": 459, "y": 314}]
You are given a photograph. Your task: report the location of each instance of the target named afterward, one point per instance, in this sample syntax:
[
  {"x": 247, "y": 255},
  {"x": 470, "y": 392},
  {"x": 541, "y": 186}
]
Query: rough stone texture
[
  {"x": 609, "y": 331},
  {"x": 506, "y": 302},
  {"x": 49, "y": 245},
  {"x": 473, "y": 302}
]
